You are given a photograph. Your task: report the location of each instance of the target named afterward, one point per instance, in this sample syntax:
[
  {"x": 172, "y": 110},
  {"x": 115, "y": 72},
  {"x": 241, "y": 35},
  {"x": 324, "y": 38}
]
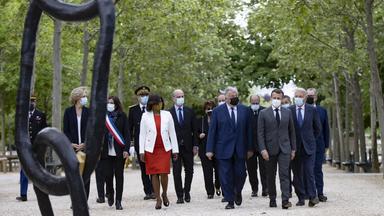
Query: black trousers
[
  {"x": 252, "y": 164},
  {"x": 283, "y": 160},
  {"x": 114, "y": 167},
  {"x": 100, "y": 178},
  {"x": 210, "y": 169},
  {"x": 146, "y": 179},
  {"x": 298, "y": 177},
  {"x": 185, "y": 159}
]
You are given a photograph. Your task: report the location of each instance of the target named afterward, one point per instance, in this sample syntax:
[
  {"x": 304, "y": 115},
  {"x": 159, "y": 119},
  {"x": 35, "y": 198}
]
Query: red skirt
[{"x": 158, "y": 162}]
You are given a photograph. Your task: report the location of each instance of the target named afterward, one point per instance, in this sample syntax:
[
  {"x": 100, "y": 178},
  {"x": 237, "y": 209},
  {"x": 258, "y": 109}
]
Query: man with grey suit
[{"x": 277, "y": 145}]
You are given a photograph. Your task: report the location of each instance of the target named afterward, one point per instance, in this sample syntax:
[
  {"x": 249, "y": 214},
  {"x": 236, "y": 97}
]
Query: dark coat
[
  {"x": 254, "y": 118},
  {"x": 134, "y": 119},
  {"x": 70, "y": 124},
  {"x": 37, "y": 122}
]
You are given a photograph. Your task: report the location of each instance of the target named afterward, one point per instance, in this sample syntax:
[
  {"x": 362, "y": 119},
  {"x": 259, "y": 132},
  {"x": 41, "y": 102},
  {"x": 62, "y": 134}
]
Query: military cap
[{"x": 141, "y": 89}]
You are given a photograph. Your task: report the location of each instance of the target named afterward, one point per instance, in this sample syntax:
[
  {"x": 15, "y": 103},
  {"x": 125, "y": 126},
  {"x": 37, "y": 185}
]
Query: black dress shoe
[
  {"x": 210, "y": 196},
  {"x": 301, "y": 202},
  {"x": 238, "y": 199},
  {"x": 230, "y": 205},
  {"x": 118, "y": 205},
  {"x": 22, "y": 198},
  {"x": 100, "y": 200},
  {"x": 180, "y": 200},
  {"x": 264, "y": 194},
  {"x": 323, "y": 198},
  {"x": 187, "y": 197},
  {"x": 147, "y": 197},
  {"x": 286, "y": 205},
  {"x": 224, "y": 200},
  {"x": 152, "y": 196},
  {"x": 111, "y": 200},
  {"x": 272, "y": 204},
  {"x": 218, "y": 191},
  {"x": 254, "y": 194},
  {"x": 313, "y": 202}
]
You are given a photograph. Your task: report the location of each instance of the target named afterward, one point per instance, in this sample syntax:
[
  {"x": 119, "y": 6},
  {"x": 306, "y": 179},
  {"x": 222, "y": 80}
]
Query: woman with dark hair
[
  {"x": 115, "y": 150},
  {"x": 157, "y": 140},
  {"x": 207, "y": 165}
]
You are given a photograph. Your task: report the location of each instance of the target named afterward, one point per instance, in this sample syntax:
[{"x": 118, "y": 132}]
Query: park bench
[
  {"x": 13, "y": 162},
  {"x": 350, "y": 164},
  {"x": 3, "y": 164}
]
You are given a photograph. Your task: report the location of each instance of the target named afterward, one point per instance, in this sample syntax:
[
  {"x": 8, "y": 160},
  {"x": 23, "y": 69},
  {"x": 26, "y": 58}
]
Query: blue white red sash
[{"x": 114, "y": 131}]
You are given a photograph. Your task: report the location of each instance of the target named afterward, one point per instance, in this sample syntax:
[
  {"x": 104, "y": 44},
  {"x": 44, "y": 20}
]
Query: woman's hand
[
  {"x": 81, "y": 147},
  {"x": 125, "y": 154},
  {"x": 142, "y": 159},
  {"x": 202, "y": 135},
  {"x": 75, "y": 146}
]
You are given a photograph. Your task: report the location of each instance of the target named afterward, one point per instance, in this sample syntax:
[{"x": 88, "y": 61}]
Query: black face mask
[
  {"x": 209, "y": 112},
  {"x": 31, "y": 107},
  {"x": 310, "y": 100},
  {"x": 234, "y": 101}
]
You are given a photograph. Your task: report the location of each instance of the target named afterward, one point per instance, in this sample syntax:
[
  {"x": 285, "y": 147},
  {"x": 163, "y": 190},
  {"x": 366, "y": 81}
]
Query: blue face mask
[
  {"x": 286, "y": 105},
  {"x": 299, "y": 101},
  {"x": 84, "y": 101},
  {"x": 144, "y": 100}
]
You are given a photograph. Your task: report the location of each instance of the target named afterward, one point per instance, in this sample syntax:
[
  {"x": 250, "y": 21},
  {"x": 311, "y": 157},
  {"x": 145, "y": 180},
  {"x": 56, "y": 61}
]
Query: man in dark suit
[
  {"x": 134, "y": 118},
  {"x": 322, "y": 143},
  {"x": 37, "y": 121},
  {"x": 277, "y": 144},
  {"x": 184, "y": 120},
  {"x": 307, "y": 127},
  {"x": 230, "y": 141},
  {"x": 256, "y": 158}
]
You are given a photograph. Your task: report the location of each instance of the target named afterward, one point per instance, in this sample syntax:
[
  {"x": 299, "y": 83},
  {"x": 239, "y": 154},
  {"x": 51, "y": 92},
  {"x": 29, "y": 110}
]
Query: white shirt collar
[
  {"x": 230, "y": 108},
  {"x": 302, "y": 107},
  {"x": 177, "y": 107}
]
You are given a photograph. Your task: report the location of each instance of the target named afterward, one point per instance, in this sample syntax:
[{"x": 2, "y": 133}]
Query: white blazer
[{"x": 148, "y": 132}]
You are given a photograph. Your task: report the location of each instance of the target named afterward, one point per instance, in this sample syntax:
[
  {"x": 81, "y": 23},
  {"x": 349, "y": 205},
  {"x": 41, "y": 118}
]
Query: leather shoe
[
  {"x": 180, "y": 200},
  {"x": 286, "y": 204},
  {"x": 313, "y": 202},
  {"x": 264, "y": 194},
  {"x": 118, "y": 205},
  {"x": 238, "y": 199},
  {"x": 224, "y": 200},
  {"x": 272, "y": 204},
  {"x": 218, "y": 191},
  {"x": 230, "y": 205},
  {"x": 300, "y": 203},
  {"x": 187, "y": 197},
  {"x": 22, "y": 198},
  {"x": 100, "y": 200},
  {"x": 254, "y": 194},
  {"x": 147, "y": 197},
  {"x": 323, "y": 198},
  {"x": 210, "y": 196}
]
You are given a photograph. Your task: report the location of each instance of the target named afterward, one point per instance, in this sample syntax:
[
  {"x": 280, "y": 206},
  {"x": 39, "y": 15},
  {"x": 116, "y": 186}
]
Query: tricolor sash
[{"x": 114, "y": 131}]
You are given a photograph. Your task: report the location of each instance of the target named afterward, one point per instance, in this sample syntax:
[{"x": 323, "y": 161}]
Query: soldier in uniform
[
  {"x": 134, "y": 118},
  {"x": 37, "y": 121}
]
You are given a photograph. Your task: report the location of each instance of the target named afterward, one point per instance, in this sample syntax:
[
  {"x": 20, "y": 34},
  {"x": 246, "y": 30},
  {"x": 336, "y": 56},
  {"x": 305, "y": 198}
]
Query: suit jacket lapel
[{"x": 272, "y": 114}]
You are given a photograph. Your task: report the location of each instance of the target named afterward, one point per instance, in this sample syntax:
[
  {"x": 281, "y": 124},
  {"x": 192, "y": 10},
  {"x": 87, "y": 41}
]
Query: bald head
[{"x": 254, "y": 99}]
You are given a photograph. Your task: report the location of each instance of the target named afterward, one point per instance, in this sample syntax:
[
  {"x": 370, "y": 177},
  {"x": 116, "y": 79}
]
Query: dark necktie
[
  {"x": 181, "y": 119},
  {"x": 233, "y": 119},
  {"x": 299, "y": 117},
  {"x": 277, "y": 116},
  {"x": 143, "y": 109}
]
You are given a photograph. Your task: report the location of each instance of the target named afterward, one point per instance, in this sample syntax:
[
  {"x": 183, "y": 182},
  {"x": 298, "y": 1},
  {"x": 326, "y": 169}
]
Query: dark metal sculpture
[{"x": 31, "y": 155}]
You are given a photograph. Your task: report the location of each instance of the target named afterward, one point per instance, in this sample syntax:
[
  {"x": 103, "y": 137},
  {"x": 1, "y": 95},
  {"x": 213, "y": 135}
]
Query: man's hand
[
  {"x": 175, "y": 156},
  {"x": 142, "y": 159},
  {"x": 125, "y": 154},
  {"x": 202, "y": 135},
  {"x": 195, "y": 150},
  {"x": 265, "y": 155},
  {"x": 209, "y": 155},
  {"x": 249, "y": 154},
  {"x": 293, "y": 153}
]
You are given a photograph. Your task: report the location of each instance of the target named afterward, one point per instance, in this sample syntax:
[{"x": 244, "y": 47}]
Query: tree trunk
[
  {"x": 347, "y": 121},
  {"x": 338, "y": 117},
  {"x": 335, "y": 122},
  {"x": 2, "y": 124},
  {"x": 376, "y": 81},
  {"x": 375, "y": 156},
  {"x": 85, "y": 55},
  {"x": 56, "y": 82},
  {"x": 120, "y": 80}
]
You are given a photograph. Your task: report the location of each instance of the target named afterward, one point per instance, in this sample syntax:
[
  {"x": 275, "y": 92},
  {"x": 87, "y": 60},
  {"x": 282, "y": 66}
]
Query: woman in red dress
[{"x": 157, "y": 141}]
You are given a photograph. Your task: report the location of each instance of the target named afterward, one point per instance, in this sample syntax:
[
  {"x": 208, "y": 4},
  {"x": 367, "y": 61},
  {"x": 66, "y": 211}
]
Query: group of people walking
[{"x": 231, "y": 139}]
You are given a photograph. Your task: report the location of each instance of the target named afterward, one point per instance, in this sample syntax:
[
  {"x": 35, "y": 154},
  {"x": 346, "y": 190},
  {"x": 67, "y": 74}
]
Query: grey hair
[
  {"x": 232, "y": 89},
  {"x": 312, "y": 89},
  {"x": 301, "y": 90},
  {"x": 173, "y": 93},
  {"x": 254, "y": 95}
]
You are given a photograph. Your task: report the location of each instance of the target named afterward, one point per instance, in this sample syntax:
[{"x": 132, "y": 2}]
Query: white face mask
[
  {"x": 299, "y": 101},
  {"x": 255, "y": 107},
  {"x": 179, "y": 101},
  {"x": 110, "y": 107},
  {"x": 144, "y": 100},
  {"x": 286, "y": 105},
  {"x": 83, "y": 101},
  {"x": 221, "y": 103},
  {"x": 276, "y": 103}
]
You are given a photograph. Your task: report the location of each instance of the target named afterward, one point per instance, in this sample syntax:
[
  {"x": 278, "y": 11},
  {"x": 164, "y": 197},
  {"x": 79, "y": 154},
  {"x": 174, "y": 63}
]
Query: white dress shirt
[
  {"x": 302, "y": 111},
  {"x": 230, "y": 111},
  {"x": 274, "y": 112}
]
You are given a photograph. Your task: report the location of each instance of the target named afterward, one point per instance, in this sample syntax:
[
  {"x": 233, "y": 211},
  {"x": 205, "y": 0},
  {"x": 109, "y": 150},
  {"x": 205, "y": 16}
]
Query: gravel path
[{"x": 348, "y": 194}]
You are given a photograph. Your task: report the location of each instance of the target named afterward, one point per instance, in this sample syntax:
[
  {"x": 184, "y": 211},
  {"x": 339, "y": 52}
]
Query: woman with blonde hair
[{"x": 75, "y": 121}]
